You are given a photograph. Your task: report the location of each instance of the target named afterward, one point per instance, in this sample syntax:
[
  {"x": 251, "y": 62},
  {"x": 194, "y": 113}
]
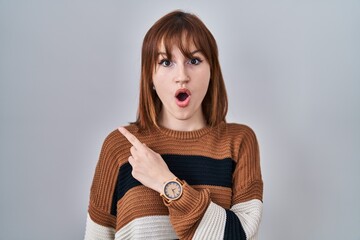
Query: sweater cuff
[{"x": 189, "y": 200}]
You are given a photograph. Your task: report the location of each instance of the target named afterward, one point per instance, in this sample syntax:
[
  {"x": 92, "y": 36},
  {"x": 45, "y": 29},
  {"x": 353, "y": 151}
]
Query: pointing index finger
[{"x": 130, "y": 137}]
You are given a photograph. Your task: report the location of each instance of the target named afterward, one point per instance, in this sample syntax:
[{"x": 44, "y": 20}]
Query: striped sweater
[{"x": 222, "y": 194}]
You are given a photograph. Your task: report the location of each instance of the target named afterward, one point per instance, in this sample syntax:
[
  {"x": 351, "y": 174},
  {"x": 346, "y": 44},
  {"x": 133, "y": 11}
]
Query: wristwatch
[{"x": 172, "y": 190}]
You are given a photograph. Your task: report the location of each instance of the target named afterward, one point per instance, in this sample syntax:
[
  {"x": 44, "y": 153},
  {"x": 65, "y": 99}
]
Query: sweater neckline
[{"x": 185, "y": 135}]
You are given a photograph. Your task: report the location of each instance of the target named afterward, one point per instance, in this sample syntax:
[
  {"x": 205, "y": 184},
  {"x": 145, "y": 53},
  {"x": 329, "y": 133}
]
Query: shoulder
[
  {"x": 115, "y": 144},
  {"x": 115, "y": 137},
  {"x": 238, "y": 130}
]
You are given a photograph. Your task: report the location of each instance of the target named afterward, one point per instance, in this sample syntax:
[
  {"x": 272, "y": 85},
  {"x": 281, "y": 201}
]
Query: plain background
[{"x": 69, "y": 74}]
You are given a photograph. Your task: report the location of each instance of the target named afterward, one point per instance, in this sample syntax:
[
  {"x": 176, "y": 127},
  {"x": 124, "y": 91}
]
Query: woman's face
[{"x": 181, "y": 85}]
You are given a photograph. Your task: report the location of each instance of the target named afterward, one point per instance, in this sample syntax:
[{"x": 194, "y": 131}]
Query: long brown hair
[{"x": 170, "y": 30}]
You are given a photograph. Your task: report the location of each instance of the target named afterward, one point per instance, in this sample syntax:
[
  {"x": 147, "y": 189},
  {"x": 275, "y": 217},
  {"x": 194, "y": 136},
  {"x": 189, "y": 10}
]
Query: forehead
[
  {"x": 163, "y": 48},
  {"x": 183, "y": 42}
]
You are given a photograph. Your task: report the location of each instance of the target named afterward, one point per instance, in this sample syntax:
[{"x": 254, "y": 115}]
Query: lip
[{"x": 186, "y": 102}]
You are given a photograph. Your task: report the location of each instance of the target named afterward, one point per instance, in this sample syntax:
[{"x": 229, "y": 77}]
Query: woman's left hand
[{"x": 149, "y": 167}]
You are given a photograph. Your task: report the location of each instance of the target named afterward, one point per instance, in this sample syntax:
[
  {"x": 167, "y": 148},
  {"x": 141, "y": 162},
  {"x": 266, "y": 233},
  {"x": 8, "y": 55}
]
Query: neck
[{"x": 191, "y": 124}]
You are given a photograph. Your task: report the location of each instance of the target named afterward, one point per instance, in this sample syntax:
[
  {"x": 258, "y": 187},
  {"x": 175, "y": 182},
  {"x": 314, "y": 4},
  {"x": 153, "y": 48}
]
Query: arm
[
  {"x": 100, "y": 222},
  {"x": 195, "y": 216}
]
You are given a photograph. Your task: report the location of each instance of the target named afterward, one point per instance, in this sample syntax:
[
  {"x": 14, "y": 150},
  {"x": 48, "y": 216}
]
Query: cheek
[
  {"x": 160, "y": 77},
  {"x": 205, "y": 86},
  {"x": 205, "y": 71},
  {"x": 161, "y": 87},
  {"x": 205, "y": 80}
]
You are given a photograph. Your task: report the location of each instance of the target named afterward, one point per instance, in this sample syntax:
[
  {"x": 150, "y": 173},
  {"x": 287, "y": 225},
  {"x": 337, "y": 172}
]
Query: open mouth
[
  {"x": 182, "y": 94},
  {"x": 183, "y": 97}
]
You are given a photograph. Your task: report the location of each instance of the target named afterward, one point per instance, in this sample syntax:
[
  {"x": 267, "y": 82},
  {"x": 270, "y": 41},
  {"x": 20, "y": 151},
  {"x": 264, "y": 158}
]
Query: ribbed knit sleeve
[
  {"x": 243, "y": 219},
  {"x": 186, "y": 213},
  {"x": 101, "y": 223},
  {"x": 247, "y": 180}
]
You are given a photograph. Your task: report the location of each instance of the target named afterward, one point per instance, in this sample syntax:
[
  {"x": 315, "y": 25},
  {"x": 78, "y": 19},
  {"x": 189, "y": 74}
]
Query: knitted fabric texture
[{"x": 222, "y": 194}]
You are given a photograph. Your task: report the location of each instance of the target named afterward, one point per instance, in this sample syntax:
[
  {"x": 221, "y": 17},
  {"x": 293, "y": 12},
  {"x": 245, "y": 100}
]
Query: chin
[{"x": 183, "y": 116}]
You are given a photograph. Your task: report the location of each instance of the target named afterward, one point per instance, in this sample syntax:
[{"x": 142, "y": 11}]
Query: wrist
[
  {"x": 163, "y": 180},
  {"x": 172, "y": 190}
]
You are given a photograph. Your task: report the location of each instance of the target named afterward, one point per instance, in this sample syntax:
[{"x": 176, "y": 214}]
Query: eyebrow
[{"x": 192, "y": 53}]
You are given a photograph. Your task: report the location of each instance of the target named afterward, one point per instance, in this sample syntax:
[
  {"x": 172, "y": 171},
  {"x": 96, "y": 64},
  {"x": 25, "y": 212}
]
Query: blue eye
[
  {"x": 195, "y": 61},
  {"x": 165, "y": 63}
]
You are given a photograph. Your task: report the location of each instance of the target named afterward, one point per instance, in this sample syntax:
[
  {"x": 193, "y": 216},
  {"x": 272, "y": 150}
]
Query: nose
[{"x": 182, "y": 75}]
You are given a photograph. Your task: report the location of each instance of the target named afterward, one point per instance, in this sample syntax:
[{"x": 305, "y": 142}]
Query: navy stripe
[
  {"x": 199, "y": 170},
  {"x": 195, "y": 170},
  {"x": 233, "y": 227},
  {"x": 125, "y": 181}
]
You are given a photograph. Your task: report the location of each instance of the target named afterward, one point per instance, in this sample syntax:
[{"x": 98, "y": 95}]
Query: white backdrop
[{"x": 69, "y": 74}]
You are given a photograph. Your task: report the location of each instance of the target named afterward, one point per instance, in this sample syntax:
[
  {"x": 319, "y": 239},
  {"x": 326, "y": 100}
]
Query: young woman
[{"x": 180, "y": 171}]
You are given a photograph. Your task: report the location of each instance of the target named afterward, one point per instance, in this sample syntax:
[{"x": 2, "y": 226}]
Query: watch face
[{"x": 173, "y": 190}]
